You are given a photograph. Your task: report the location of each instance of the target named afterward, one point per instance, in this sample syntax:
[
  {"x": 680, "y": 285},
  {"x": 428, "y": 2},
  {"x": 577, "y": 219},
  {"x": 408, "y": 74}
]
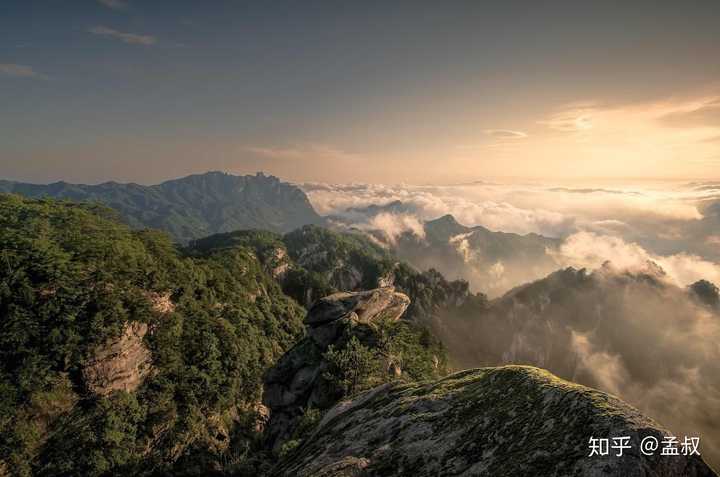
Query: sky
[{"x": 378, "y": 92}]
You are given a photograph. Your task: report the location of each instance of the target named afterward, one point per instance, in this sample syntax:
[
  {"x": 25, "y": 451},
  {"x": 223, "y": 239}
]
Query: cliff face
[
  {"x": 121, "y": 364},
  {"x": 512, "y": 420}
]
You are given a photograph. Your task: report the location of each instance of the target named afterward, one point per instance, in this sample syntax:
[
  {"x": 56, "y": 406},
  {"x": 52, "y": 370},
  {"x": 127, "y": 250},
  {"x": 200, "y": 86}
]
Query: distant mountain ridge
[
  {"x": 593, "y": 327},
  {"x": 492, "y": 261},
  {"x": 194, "y": 206}
]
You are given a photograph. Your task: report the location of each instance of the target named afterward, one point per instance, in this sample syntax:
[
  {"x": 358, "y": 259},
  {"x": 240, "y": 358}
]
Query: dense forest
[{"x": 213, "y": 317}]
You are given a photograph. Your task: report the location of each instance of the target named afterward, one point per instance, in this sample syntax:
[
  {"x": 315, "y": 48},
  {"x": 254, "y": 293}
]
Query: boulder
[
  {"x": 296, "y": 382},
  {"x": 504, "y": 421}
]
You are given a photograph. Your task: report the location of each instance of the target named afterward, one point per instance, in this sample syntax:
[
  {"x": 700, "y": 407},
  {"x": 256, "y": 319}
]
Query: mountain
[
  {"x": 507, "y": 421},
  {"x": 312, "y": 262},
  {"x": 394, "y": 207},
  {"x": 492, "y": 262},
  {"x": 354, "y": 341},
  {"x": 632, "y": 333},
  {"x": 194, "y": 206},
  {"x": 122, "y": 353}
]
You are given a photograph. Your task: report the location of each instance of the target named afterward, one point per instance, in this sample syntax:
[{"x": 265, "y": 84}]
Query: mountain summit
[{"x": 194, "y": 206}]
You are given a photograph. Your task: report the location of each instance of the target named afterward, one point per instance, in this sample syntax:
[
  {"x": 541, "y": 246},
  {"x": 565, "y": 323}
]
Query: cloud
[
  {"x": 114, "y": 4},
  {"x": 519, "y": 208},
  {"x": 505, "y": 134},
  {"x": 590, "y": 250},
  {"x": 19, "y": 71},
  {"x": 590, "y": 190},
  {"x": 572, "y": 120},
  {"x": 704, "y": 115},
  {"x": 393, "y": 225},
  {"x": 653, "y": 344},
  {"x": 657, "y": 118},
  {"x": 129, "y": 38},
  {"x": 673, "y": 225},
  {"x": 302, "y": 152}
]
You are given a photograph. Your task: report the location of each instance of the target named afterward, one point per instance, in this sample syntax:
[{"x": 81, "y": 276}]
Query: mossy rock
[{"x": 504, "y": 421}]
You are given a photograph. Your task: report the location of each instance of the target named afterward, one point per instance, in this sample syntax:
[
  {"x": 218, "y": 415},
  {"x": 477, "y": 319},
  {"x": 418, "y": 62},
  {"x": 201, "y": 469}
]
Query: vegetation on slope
[
  {"x": 193, "y": 206},
  {"x": 71, "y": 277},
  {"x": 322, "y": 261}
]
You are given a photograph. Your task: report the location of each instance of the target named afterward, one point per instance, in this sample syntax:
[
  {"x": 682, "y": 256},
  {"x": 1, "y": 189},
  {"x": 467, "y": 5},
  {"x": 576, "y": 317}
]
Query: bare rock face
[
  {"x": 161, "y": 303},
  {"x": 121, "y": 363},
  {"x": 329, "y": 315},
  {"x": 296, "y": 382},
  {"x": 506, "y": 421},
  {"x": 279, "y": 263}
]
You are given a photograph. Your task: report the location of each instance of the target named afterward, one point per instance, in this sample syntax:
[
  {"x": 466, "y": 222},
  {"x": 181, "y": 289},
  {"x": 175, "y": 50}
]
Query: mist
[
  {"x": 634, "y": 334},
  {"x": 676, "y": 225},
  {"x": 623, "y": 319}
]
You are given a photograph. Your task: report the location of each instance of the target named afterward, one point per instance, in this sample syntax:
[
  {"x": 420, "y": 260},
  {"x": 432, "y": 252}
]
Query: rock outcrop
[
  {"x": 506, "y": 421},
  {"x": 121, "y": 363},
  {"x": 296, "y": 382}
]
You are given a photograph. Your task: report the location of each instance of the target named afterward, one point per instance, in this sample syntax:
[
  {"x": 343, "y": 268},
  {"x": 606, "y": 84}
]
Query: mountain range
[
  {"x": 634, "y": 334},
  {"x": 184, "y": 354},
  {"x": 194, "y": 206},
  {"x": 492, "y": 262}
]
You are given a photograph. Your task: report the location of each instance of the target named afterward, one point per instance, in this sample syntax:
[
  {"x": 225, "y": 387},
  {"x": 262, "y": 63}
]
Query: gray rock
[
  {"x": 121, "y": 363},
  {"x": 506, "y": 421},
  {"x": 296, "y": 382},
  {"x": 367, "y": 305}
]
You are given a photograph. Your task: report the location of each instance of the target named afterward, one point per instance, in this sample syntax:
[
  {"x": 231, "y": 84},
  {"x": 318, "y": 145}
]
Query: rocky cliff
[
  {"x": 121, "y": 364},
  {"x": 297, "y": 382},
  {"x": 506, "y": 421}
]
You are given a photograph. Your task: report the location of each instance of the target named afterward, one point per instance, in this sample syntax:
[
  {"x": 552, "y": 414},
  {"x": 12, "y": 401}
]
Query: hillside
[
  {"x": 193, "y": 206},
  {"x": 491, "y": 261},
  {"x": 508, "y": 421},
  {"x": 119, "y": 355},
  {"x": 595, "y": 328},
  {"x": 312, "y": 262},
  {"x": 123, "y": 354}
]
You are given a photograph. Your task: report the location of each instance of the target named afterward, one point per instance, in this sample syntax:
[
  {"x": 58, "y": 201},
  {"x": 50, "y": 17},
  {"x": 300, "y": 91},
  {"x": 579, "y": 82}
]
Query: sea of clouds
[{"x": 675, "y": 225}]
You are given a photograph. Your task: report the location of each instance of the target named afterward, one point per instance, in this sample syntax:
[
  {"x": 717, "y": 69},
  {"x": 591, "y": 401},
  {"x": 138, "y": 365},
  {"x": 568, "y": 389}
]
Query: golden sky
[{"x": 419, "y": 92}]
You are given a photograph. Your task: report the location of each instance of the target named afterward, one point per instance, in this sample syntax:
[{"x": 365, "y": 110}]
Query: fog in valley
[{"x": 632, "y": 317}]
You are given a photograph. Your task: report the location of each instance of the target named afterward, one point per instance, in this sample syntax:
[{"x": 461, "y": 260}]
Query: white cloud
[
  {"x": 628, "y": 225},
  {"x": 19, "y": 71},
  {"x": 572, "y": 120},
  {"x": 130, "y": 38},
  {"x": 519, "y": 208},
  {"x": 590, "y": 250},
  {"x": 393, "y": 225},
  {"x": 505, "y": 133}
]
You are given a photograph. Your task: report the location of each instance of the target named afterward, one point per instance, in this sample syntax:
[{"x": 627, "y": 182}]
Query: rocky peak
[
  {"x": 442, "y": 228},
  {"x": 364, "y": 305},
  {"x": 296, "y": 382},
  {"x": 512, "y": 420},
  {"x": 707, "y": 292}
]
